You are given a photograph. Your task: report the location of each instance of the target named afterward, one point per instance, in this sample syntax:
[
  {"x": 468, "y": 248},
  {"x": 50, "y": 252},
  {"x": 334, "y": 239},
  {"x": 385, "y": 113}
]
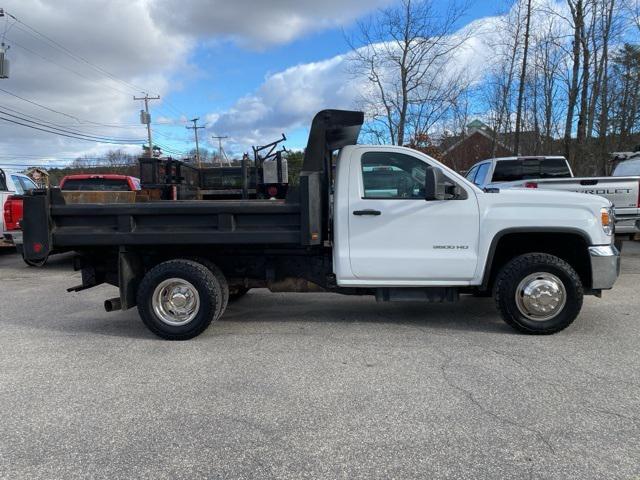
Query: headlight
[{"x": 607, "y": 218}]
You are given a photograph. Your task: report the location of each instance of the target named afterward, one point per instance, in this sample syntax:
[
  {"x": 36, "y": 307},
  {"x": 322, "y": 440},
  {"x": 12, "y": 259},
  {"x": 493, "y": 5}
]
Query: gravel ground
[{"x": 314, "y": 386}]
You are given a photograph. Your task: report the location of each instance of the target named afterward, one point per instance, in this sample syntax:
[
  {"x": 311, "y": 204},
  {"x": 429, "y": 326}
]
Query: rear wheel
[
  {"x": 178, "y": 299},
  {"x": 222, "y": 281},
  {"x": 537, "y": 293}
]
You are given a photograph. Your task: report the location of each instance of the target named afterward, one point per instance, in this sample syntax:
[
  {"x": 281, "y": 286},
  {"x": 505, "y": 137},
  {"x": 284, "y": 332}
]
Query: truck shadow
[
  {"x": 260, "y": 311},
  {"x": 469, "y": 314}
]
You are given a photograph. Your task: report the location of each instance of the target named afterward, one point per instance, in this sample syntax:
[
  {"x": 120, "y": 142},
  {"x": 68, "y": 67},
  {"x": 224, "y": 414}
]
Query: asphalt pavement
[{"x": 314, "y": 386}]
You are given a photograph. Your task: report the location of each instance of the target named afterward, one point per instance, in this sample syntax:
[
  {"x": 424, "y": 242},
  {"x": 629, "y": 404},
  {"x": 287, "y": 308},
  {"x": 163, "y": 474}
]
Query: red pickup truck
[
  {"x": 100, "y": 183},
  {"x": 71, "y": 183}
]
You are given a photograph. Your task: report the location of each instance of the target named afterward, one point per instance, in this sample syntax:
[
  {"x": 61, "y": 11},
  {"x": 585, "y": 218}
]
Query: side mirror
[{"x": 434, "y": 185}]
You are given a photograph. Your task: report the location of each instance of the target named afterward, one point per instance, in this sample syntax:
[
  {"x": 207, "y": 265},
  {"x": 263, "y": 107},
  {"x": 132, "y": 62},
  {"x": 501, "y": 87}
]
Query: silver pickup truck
[{"x": 622, "y": 188}]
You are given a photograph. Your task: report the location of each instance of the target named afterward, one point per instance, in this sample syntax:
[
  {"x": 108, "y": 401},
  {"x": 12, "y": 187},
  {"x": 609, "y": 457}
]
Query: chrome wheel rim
[
  {"x": 175, "y": 301},
  {"x": 541, "y": 296}
]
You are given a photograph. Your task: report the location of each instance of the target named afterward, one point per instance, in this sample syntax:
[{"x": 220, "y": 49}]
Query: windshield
[
  {"x": 530, "y": 168},
  {"x": 96, "y": 184},
  {"x": 627, "y": 168},
  {"x": 3, "y": 182}
]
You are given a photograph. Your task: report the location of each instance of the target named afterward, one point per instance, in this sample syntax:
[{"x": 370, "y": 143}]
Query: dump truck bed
[
  {"x": 171, "y": 222},
  {"x": 52, "y": 224},
  {"x": 74, "y": 226}
]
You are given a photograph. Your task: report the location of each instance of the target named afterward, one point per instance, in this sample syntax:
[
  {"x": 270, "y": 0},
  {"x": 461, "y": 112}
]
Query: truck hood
[
  {"x": 561, "y": 198},
  {"x": 545, "y": 209}
]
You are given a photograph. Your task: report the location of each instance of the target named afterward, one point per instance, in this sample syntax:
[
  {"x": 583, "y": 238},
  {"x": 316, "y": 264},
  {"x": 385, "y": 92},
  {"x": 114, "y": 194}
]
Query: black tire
[
  {"x": 204, "y": 282},
  {"x": 526, "y": 266},
  {"x": 222, "y": 281},
  {"x": 236, "y": 293}
]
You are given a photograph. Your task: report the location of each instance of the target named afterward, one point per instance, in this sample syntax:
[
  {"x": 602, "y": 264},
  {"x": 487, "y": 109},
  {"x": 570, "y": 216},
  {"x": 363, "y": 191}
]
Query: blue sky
[{"x": 227, "y": 71}]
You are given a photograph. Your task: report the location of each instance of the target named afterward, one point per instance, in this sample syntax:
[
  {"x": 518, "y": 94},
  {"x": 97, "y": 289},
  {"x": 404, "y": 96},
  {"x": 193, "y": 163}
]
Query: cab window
[
  {"x": 27, "y": 184},
  {"x": 482, "y": 174},
  {"x": 471, "y": 174},
  {"x": 390, "y": 175},
  {"x": 17, "y": 185},
  {"x": 507, "y": 171}
]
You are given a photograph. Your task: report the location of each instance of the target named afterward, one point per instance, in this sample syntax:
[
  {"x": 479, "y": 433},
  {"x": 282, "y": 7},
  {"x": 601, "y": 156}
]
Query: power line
[
  {"x": 76, "y": 57},
  {"x": 26, "y": 28},
  {"x": 79, "y": 58},
  {"x": 53, "y": 126},
  {"x": 53, "y": 110},
  {"x": 56, "y": 133},
  {"x": 164, "y": 148},
  {"x": 16, "y": 44}
]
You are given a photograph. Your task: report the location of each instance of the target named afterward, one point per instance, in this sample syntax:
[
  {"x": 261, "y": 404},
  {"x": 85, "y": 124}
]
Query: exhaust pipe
[{"x": 113, "y": 304}]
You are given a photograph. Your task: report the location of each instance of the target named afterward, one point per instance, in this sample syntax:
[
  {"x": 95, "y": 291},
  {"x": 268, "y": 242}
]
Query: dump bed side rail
[{"x": 50, "y": 224}]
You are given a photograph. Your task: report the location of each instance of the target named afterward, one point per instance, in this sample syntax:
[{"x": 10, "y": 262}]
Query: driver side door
[{"x": 396, "y": 237}]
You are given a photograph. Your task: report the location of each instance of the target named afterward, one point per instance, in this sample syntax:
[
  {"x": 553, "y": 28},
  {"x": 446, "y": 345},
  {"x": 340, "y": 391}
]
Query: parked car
[
  {"x": 100, "y": 183},
  {"x": 627, "y": 168},
  {"x": 554, "y": 173},
  {"x": 11, "y": 184},
  {"x": 391, "y": 222}
]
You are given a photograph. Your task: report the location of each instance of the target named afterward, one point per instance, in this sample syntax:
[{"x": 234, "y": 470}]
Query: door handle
[{"x": 375, "y": 213}]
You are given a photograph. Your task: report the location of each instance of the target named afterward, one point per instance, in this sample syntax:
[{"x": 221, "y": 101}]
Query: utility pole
[
  {"x": 195, "y": 132},
  {"x": 221, "y": 153},
  {"x": 4, "y": 62},
  {"x": 145, "y": 117}
]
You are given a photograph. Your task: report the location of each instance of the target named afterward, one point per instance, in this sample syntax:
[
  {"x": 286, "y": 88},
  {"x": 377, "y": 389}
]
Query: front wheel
[
  {"x": 538, "y": 294},
  {"x": 178, "y": 299}
]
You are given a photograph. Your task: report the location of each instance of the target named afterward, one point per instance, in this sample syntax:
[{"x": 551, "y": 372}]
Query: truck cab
[{"x": 387, "y": 233}]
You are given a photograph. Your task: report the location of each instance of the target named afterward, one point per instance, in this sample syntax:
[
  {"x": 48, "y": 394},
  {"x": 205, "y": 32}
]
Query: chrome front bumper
[{"x": 605, "y": 266}]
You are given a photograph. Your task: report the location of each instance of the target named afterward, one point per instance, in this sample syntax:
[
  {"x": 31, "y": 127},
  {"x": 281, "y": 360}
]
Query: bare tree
[
  {"x": 499, "y": 86},
  {"x": 403, "y": 52},
  {"x": 577, "y": 17},
  {"x": 548, "y": 60},
  {"x": 523, "y": 78},
  {"x": 625, "y": 96}
]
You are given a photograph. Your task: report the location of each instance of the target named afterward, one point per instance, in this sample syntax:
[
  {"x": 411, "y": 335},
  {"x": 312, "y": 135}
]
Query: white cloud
[
  {"x": 286, "y": 100},
  {"x": 117, "y": 35},
  {"x": 257, "y": 23}
]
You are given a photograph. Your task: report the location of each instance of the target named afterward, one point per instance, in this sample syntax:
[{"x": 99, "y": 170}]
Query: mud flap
[{"x": 130, "y": 273}]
